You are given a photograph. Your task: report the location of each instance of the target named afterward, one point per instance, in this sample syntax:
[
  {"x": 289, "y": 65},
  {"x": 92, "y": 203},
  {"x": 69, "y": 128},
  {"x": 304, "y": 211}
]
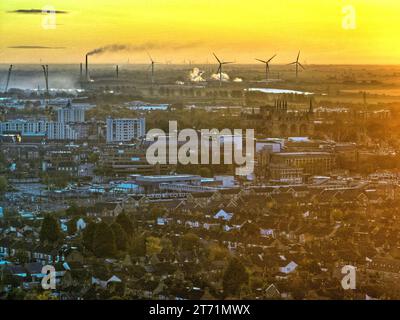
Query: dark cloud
[
  {"x": 34, "y": 47},
  {"x": 36, "y": 11}
]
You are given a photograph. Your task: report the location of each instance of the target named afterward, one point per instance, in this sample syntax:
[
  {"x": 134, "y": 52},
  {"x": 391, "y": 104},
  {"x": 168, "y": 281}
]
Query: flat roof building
[
  {"x": 314, "y": 163},
  {"x": 125, "y": 130}
]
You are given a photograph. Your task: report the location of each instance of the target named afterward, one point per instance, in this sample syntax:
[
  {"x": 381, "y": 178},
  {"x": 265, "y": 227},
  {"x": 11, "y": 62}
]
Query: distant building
[
  {"x": 286, "y": 174},
  {"x": 69, "y": 114},
  {"x": 53, "y": 130},
  {"x": 159, "y": 182},
  {"x": 311, "y": 162},
  {"x": 289, "y": 268},
  {"x": 222, "y": 214},
  {"x": 293, "y": 167},
  {"x": 60, "y": 161},
  {"x": 124, "y": 130},
  {"x": 279, "y": 121},
  {"x": 60, "y": 131},
  {"x": 122, "y": 161},
  {"x": 22, "y": 126}
]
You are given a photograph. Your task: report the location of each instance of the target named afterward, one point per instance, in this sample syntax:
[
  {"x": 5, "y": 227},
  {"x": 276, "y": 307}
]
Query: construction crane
[
  {"x": 46, "y": 77},
  {"x": 8, "y": 77}
]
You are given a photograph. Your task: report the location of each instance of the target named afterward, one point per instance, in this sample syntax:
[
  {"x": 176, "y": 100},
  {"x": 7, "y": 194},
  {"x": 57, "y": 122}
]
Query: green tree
[
  {"x": 104, "y": 241},
  {"x": 88, "y": 235},
  {"x": 126, "y": 224},
  {"x": 153, "y": 245},
  {"x": 205, "y": 172},
  {"x": 190, "y": 241},
  {"x": 16, "y": 294},
  {"x": 75, "y": 210},
  {"x": 72, "y": 225},
  {"x": 235, "y": 276},
  {"x": 50, "y": 230},
  {"x": 3, "y": 184},
  {"x": 138, "y": 247},
  {"x": 93, "y": 158},
  {"x": 167, "y": 245},
  {"x": 217, "y": 252},
  {"x": 121, "y": 239}
]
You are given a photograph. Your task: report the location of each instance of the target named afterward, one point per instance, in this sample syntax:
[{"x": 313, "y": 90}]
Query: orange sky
[{"x": 178, "y": 30}]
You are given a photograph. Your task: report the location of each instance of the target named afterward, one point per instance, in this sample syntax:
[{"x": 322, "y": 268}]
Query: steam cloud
[
  {"x": 140, "y": 47},
  {"x": 224, "y": 76},
  {"x": 196, "y": 75}
]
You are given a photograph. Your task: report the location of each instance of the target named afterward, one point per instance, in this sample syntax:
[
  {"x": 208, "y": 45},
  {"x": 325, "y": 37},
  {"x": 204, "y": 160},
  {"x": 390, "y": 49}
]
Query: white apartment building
[
  {"x": 124, "y": 130},
  {"x": 23, "y": 126},
  {"x": 70, "y": 114},
  {"x": 53, "y": 130},
  {"x": 60, "y": 131}
]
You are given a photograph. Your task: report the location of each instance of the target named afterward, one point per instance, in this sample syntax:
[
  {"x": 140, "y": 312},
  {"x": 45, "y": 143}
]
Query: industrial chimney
[
  {"x": 86, "y": 69},
  {"x": 116, "y": 70},
  {"x": 81, "y": 70}
]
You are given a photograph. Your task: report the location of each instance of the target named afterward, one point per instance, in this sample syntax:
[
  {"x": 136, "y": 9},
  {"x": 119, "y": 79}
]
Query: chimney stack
[
  {"x": 81, "y": 70},
  {"x": 116, "y": 69},
  {"x": 86, "y": 69}
]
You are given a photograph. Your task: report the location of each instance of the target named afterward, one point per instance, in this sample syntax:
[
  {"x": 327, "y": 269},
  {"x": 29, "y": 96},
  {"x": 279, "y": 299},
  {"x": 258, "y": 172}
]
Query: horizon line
[{"x": 201, "y": 63}]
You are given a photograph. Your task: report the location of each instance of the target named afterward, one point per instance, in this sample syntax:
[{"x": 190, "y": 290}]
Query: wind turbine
[
  {"x": 297, "y": 63},
  {"x": 266, "y": 65},
  {"x": 220, "y": 64},
  {"x": 152, "y": 67}
]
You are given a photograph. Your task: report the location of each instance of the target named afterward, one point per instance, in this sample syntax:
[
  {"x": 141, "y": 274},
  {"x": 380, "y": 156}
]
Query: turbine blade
[
  {"x": 292, "y": 63},
  {"x": 261, "y": 60},
  {"x": 301, "y": 65},
  {"x": 216, "y": 57},
  {"x": 151, "y": 59},
  {"x": 271, "y": 58},
  {"x": 298, "y": 56}
]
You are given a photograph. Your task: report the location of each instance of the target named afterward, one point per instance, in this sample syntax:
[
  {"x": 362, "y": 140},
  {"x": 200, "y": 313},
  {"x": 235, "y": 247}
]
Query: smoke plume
[{"x": 139, "y": 47}]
